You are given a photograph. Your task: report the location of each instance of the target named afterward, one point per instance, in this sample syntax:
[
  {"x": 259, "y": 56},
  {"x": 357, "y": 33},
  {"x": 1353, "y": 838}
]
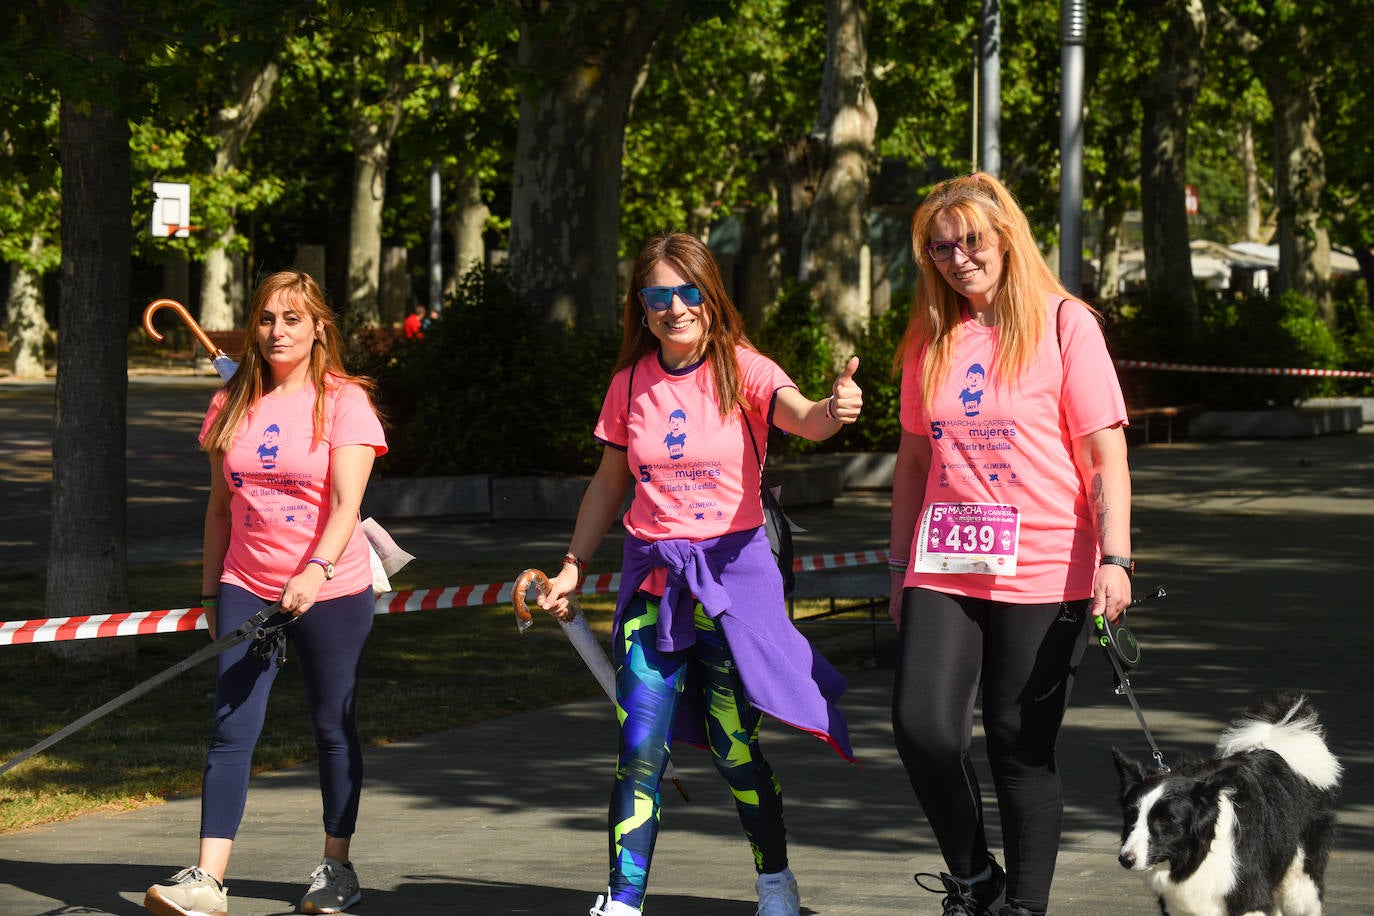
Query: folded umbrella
[{"x": 580, "y": 635}]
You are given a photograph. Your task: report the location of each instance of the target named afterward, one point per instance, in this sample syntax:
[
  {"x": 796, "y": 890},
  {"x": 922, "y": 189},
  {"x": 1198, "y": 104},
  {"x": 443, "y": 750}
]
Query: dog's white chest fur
[{"x": 1204, "y": 891}]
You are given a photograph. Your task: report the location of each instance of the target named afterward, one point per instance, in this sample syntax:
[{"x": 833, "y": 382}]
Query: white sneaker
[
  {"x": 604, "y": 906},
  {"x": 190, "y": 892},
  {"x": 333, "y": 888},
  {"x": 778, "y": 894}
]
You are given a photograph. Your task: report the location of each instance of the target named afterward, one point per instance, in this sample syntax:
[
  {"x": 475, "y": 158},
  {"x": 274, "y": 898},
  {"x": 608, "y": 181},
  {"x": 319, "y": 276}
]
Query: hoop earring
[{"x": 644, "y": 320}]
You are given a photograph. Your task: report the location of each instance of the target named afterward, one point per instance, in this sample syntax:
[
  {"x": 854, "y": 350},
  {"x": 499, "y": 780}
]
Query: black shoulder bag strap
[{"x": 776, "y": 524}]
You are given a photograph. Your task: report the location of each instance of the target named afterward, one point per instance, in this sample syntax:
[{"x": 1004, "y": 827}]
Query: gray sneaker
[
  {"x": 333, "y": 888},
  {"x": 190, "y": 892}
]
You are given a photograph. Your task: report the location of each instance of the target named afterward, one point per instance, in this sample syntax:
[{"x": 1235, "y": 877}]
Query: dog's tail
[{"x": 1288, "y": 726}]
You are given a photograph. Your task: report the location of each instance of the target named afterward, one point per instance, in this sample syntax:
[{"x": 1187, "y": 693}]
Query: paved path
[{"x": 1265, "y": 551}]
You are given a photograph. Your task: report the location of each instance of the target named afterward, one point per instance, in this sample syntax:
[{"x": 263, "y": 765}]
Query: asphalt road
[{"x": 1263, "y": 547}]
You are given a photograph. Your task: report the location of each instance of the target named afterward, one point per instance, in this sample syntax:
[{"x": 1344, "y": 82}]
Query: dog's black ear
[{"x": 1129, "y": 772}]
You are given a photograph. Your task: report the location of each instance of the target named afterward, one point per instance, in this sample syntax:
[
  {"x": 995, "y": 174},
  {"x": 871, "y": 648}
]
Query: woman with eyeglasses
[
  {"x": 1011, "y": 513},
  {"x": 702, "y": 642}
]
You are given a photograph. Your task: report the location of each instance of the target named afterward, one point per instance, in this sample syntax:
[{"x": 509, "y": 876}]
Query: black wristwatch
[{"x": 1125, "y": 563}]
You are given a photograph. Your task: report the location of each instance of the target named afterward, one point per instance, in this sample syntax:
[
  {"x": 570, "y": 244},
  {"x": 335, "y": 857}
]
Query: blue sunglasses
[{"x": 660, "y": 298}]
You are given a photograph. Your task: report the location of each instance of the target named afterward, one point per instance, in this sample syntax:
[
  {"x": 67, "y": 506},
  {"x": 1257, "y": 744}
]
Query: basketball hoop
[{"x": 172, "y": 210}]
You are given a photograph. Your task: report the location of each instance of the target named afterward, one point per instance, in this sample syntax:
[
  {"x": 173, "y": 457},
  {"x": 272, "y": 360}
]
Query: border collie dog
[{"x": 1246, "y": 832}]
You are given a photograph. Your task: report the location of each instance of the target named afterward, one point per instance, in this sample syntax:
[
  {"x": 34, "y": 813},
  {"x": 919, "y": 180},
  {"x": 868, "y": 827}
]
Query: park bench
[{"x": 1145, "y": 412}]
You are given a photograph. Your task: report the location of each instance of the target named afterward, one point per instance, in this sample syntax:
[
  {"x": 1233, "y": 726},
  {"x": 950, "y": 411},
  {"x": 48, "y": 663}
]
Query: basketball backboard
[{"x": 172, "y": 211}]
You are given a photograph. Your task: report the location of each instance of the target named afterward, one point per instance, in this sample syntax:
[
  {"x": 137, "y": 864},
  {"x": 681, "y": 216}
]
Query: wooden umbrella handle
[{"x": 186, "y": 318}]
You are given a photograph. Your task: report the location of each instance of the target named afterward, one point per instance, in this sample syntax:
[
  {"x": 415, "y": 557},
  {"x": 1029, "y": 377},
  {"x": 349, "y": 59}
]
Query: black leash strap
[
  {"x": 255, "y": 627},
  {"x": 1123, "y": 652}
]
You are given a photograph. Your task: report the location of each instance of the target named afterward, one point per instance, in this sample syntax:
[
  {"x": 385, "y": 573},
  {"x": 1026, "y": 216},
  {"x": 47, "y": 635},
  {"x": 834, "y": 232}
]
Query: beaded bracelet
[{"x": 572, "y": 558}]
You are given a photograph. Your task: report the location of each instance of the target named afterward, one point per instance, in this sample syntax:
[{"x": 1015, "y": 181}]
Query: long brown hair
[
  {"x": 690, "y": 257},
  {"x": 245, "y": 387},
  {"x": 977, "y": 203}
]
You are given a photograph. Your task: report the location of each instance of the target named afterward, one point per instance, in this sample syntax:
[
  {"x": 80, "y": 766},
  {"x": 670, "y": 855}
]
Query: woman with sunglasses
[
  {"x": 702, "y": 642},
  {"x": 1011, "y": 518}
]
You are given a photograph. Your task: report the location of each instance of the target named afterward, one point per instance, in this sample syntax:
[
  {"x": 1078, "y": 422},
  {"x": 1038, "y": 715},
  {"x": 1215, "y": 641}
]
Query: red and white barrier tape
[
  {"x": 1239, "y": 370},
  {"x": 175, "y": 620}
]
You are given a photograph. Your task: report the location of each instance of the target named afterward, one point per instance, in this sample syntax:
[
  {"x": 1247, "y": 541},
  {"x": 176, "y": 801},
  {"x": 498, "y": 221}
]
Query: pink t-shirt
[
  {"x": 1007, "y": 443},
  {"x": 696, "y": 475},
  {"x": 279, "y": 489}
]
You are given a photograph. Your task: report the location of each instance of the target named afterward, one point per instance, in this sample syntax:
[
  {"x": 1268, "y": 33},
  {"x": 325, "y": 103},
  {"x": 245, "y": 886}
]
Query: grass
[{"x": 422, "y": 672}]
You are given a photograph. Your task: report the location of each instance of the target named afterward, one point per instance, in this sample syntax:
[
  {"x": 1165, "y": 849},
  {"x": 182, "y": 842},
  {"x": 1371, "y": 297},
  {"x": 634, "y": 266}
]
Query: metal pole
[
  {"x": 990, "y": 87},
  {"x": 1073, "y": 16},
  {"x": 436, "y": 241},
  {"x": 973, "y": 121}
]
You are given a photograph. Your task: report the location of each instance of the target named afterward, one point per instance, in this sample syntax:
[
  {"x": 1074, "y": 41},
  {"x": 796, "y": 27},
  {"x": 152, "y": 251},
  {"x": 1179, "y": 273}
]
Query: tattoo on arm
[{"x": 1098, "y": 501}]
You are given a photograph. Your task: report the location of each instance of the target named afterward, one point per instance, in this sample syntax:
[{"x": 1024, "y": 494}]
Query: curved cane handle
[
  {"x": 186, "y": 318},
  {"x": 528, "y": 587},
  {"x": 523, "y": 617}
]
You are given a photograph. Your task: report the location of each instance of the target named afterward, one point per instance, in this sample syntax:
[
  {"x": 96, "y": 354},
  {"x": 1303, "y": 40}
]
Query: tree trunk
[
  {"x": 88, "y": 547},
  {"x": 1364, "y": 256},
  {"x": 1167, "y": 100},
  {"x": 1299, "y": 180},
  {"x": 221, "y": 297},
  {"x": 1254, "y": 215},
  {"x": 759, "y": 272},
  {"x": 837, "y": 222},
  {"x": 467, "y": 227},
  {"x": 797, "y": 167},
  {"x": 584, "y": 61},
  {"x": 371, "y": 150},
  {"x": 28, "y": 324},
  {"x": 1109, "y": 255}
]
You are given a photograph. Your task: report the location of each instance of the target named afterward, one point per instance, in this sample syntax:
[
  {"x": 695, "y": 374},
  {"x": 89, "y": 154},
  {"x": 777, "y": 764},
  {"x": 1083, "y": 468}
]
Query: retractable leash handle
[
  {"x": 1119, "y": 645},
  {"x": 262, "y": 625}
]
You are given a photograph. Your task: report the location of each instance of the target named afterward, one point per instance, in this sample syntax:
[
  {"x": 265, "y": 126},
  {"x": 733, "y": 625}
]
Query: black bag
[{"x": 776, "y": 524}]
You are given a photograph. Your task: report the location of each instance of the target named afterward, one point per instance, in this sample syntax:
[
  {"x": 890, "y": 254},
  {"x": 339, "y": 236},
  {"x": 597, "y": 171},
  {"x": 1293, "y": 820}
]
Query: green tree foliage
[
  {"x": 493, "y": 388},
  {"x": 1267, "y": 331},
  {"x": 718, "y": 99}
]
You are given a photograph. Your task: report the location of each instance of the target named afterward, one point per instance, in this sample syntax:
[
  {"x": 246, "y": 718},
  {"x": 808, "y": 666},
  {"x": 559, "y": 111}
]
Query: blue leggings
[
  {"x": 1025, "y": 656},
  {"x": 328, "y": 644},
  {"x": 648, "y": 685}
]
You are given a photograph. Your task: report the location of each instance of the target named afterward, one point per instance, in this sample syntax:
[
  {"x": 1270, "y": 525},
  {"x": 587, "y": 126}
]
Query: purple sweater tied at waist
[{"x": 736, "y": 579}]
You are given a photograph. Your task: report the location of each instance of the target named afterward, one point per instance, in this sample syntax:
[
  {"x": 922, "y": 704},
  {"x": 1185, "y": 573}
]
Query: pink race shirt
[
  {"x": 1005, "y": 446},
  {"x": 279, "y": 489},
  {"x": 696, "y": 475}
]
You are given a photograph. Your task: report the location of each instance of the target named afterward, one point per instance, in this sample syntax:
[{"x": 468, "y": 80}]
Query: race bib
[{"x": 977, "y": 538}]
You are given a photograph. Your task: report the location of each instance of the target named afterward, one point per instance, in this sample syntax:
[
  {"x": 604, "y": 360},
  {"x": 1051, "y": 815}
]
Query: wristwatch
[
  {"x": 328, "y": 566},
  {"x": 1125, "y": 563}
]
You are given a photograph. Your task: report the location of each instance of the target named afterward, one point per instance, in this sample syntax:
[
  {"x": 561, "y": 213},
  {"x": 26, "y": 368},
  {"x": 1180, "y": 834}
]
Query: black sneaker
[{"x": 964, "y": 898}]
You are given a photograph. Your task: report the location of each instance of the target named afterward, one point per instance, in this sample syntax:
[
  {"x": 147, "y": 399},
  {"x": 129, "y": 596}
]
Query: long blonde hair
[
  {"x": 977, "y": 203},
  {"x": 690, "y": 257},
  {"x": 244, "y": 389}
]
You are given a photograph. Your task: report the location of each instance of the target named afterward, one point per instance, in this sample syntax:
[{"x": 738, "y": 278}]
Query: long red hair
[{"x": 245, "y": 387}]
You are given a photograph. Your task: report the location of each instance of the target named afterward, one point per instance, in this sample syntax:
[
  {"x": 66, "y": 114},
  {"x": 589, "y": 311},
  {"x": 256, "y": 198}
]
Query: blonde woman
[
  {"x": 1011, "y": 505},
  {"x": 291, "y": 439}
]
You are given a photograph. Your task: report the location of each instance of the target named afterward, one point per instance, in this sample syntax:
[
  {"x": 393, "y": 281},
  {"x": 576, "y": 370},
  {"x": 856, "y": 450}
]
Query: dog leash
[
  {"x": 1122, "y": 650},
  {"x": 271, "y": 637}
]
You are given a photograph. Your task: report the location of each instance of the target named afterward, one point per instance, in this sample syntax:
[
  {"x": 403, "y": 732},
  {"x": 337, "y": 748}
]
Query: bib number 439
[{"x": 979, "y": 538}]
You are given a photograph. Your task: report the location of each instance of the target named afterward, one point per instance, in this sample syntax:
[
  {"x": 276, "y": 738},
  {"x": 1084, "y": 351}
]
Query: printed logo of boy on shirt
[{"x": 676, "y": 440}]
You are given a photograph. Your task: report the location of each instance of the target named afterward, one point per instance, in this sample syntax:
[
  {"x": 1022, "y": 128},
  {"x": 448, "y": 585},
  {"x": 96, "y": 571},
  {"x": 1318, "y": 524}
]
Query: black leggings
[{"x": 1026, "y": 657}]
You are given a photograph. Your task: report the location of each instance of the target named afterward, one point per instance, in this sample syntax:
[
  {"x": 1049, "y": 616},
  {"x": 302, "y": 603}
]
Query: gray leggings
[{"x": 1025, "y": 657}]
